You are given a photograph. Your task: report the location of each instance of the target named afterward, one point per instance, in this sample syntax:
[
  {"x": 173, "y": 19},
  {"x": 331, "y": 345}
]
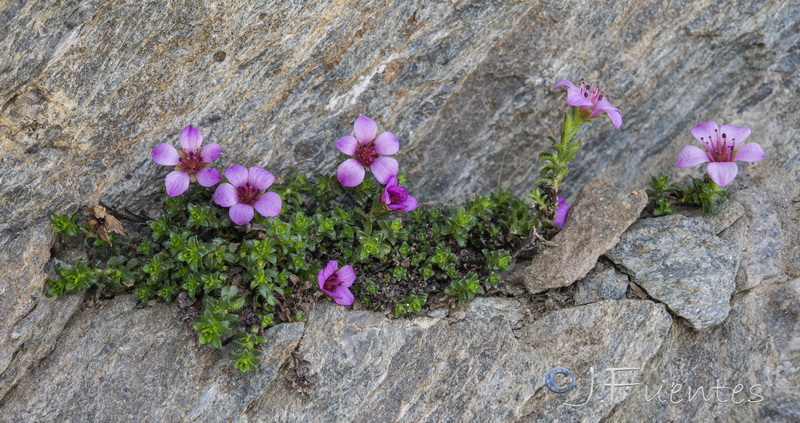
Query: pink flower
[
  {"x": 367, "y": 153},
  {"x": 589, "y": 98},
  {"x": 335, "y": 282},
  {"x": 192, "y": 162},
  {"x": 245, "y": 192},
  {"x": 562, "y": 208},
  {"x": 722, "y": 147},
  {"x": 396, "y": 197}
]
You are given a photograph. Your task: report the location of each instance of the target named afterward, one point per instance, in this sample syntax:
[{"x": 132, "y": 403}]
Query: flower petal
[
  {"x": 733, "y": 132},
  {"x": 385, "y": 197},
  {"x": 410, "y": 203},
  {"x": 705, "y": 130},
  {"x": 211, "y": 152},
  {"x": 208, "y": 176},
  {"x": 326, "y": 272},
  {"x": 165, "y": 155},
  {"x": 383, "y": 168},
  {"x": 561, "y": 213},
  {"x": 226, "y": 195},
  {"x": 347, "y": 145},
  {"x": 190, "y": 138},
  {"x": 722, "y": 173},
  {"x": 237, "y": 175},
  {"x": 750, "y": 152},
  {"x": 177, "y": 182},
  {"x": 576, "y": 98},
  {"x": 564, "y": 83},
  {"x": 604, "y": 106},
  {"x": 346, "y": 275},
  {"x": 616, "y": 117},
  {"x": 365, "y": 129},
  {"x": 350, "y": 173},
  {"x": 269, "y": 204},
  {"x": 691, "y": 156},
  {"x": 342, "y": 296},
  {"x": 387, "y": 144},
  {"x": 241, "y": 213},
  {"x": 259, "y": 178}
]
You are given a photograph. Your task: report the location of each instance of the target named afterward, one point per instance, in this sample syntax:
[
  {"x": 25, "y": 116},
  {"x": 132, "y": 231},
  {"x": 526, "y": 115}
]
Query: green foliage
[
  {"x": 555, "y": 165},
  {"x": 465, "y": 288},
  {"x": 410, "y": 303},
  {"x": 660, "y": 191},
  {"x": 703, "y": 193},
  {"x": 72, "y": 280},
  {"x": 497, "y": 260},
  {"x": 217, "y": 317},
  {"x": 65, "y": 225},
  {"x": 249, "y": 356},
  {"x": 242, "y": 280}
]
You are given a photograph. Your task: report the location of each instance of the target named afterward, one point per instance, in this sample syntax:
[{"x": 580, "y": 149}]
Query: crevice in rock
[
  {"x": 768, "y": 286},
  {"x": 632, "y": 294}
]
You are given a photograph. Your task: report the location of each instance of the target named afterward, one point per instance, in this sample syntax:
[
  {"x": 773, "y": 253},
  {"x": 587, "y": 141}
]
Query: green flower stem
[
  {"x": 570, "y": 128},
  {"x": 555, "y": 163}
]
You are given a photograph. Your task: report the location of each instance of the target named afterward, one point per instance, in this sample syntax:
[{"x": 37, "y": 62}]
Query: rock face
[
  {"x": 486, "y": 365},
  {"x": 756, "y": 379},
  {"x": 141, "y": 364},
  {"x": 87, "y": 89},
  {"x": 602, "y": 283},
  {"x": 680, "y": 262},
  {"x": 596, "y": 222}
]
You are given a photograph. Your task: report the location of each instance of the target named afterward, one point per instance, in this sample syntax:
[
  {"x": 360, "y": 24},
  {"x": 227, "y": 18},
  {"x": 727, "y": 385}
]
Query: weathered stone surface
[
  {"x": 597, "y": 336},
  {"x": 596, "y": 221},
  {"x": 602, "y": 283},
  {"x": 86, "y": 90},
  {"x": 138, "y": 363},
  {"x": 757, "y": 347},
  {"x": 29, "y": 323},
  {"x": 729, "y": 212},
  {"x": 33, "y": 337},
  {"x": 373, "y": 369},
  {"x": 120, "y": 363},
  {"x": 679, "y": 261},
  {"x": 771, "y": 251}
]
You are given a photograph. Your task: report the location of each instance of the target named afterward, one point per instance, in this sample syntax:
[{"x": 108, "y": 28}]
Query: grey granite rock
[
  {"x": 596, "y": 221},
  {"x": 86, "y": 89},
  {"x": 118, "y": 362},
  {"x": 602, "y": 283},
  {"x": 679, "y": 261},
  {"x": 29, "y": 323},
  {"x": 373, "y": 369},
  {"x": 771, "y": 248},
  {"x": 757, "y": 347},
  {"x": 588, "y": 341},
  {"x": 729, "y": 212},
  {"x": 122, "y": 363}
]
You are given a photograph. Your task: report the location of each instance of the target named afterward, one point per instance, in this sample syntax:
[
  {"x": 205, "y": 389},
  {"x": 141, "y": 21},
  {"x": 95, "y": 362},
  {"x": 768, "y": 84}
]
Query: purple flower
[
  {"x": 396, "y": 197},
  {"x": 335, "y": 282},
  {"x": 589, "y": 98},
  {"x": 192, "y": 162},
  {"x": 246, "y": 192},
  {"x": 367, "y": 152},
  {"x": 562, "y": 208},
  {"x": 722, "y": 147}
]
